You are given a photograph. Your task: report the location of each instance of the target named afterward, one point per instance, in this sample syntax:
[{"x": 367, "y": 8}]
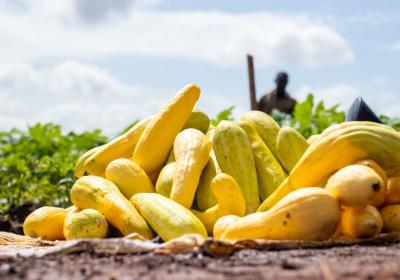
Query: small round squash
[
  {"x": 393, "y": 191},
  {"x": 46, "y": 223},
  {"x": 361, "y": 223},
  {"x": 380, "y": 198},
  {"x": 391, "y": 218},
  {"x": 356, "y": 186},
  {"x": 87, "y": 223}
]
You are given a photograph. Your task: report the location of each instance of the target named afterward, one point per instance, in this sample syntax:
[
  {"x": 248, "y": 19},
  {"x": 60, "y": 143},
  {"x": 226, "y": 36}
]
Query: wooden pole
[{"x": 252, "y": 83}]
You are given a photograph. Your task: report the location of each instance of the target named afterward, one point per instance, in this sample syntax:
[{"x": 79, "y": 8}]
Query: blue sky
[{"x": 101, "y": 64}]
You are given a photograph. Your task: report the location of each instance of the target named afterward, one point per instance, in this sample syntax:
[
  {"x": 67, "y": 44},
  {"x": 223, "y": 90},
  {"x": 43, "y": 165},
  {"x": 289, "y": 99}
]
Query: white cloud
[
  {"x": 80, "y": 97},
  {"x": 50, "y": 28},
  {"x": 94, "y": 11},
  {"x": 77, "y": 95},
  {"x": 66, "y": 77}
]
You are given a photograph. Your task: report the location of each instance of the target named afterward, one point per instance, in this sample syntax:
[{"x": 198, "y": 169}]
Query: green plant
[
  {"x": 310, "y": 118},
  {"x": 224, "y": 115},
  {"x": 36, "y": 166},
  {"x": 393, "y": 122}
]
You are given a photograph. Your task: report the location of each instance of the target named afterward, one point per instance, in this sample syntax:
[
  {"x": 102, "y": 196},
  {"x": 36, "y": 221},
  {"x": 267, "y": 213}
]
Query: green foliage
[
  {"x": 393, "y": 122},
  {"x": 224, "y": 115},
  {"x": 310, "y": 118},
  {"x": 36, "y": 166}
]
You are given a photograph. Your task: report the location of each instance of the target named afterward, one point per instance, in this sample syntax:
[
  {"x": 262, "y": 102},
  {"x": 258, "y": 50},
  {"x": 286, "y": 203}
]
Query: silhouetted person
[{"x": 278, "y": 98}]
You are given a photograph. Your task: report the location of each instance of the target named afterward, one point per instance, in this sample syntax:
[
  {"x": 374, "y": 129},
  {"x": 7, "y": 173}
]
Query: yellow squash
[
  {"x": 164, "y": 181},
  {"x": 270, "y": 173},
  {"x": 102, "y": 195},
  {"x": 233, "y": 150},
  {"x": 166, "y": 217},
  {"x": 391, "y": 218},
  {"x": 87, "y": 223},
  {"x": 361, "y": 223},
  {"x": 355, "y": 186},
  {"x": 290, "y": 146},
  {"x": 192, "y": 150},
  {"x": 393, "y": 191},
  {"x": 120, "y": 147},
  {"x": 205, "y": 197},
  {"x": 129, "y": 177},
  {"x": 337, "y": 147},
  {"x": 80, "y": 169},
  {"x": 46, "y": 223},
  {"x": 222, "y": 224},
  {"x": 305, "y": 214},
  {"x": 230, "y": 201},
  {"x": 265, "y": 126},
  {"x": 198, "y": 120},
  {"x": 157, "y": 139},
  {"x": 380, "y": 198}
]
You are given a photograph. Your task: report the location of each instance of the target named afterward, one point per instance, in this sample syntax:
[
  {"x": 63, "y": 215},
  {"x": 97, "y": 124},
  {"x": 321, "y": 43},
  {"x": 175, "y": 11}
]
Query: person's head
[{"x": 281, "y": 80}]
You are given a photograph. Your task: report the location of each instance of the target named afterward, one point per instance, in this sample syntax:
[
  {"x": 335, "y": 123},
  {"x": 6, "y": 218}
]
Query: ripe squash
[{"x": 102, "y": 195}]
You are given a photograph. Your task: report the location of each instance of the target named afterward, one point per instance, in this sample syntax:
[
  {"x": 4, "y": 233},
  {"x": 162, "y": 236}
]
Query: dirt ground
[{"x": 349, "y": 262}]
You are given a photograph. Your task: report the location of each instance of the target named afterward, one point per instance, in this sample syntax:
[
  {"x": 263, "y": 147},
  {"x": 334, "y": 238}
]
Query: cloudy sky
[{"x": 104, "y": 63}]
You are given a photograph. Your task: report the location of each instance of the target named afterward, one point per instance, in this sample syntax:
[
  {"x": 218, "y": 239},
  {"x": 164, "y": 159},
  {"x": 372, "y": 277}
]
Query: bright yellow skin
[
  {"x": 270, "y": 173},
  {"x": 230, "y": 201},
  {"x": 157, "y": 139},
  {"x": 361, "y": 223},
  {"x": 337, "y": 147},
  {"x": 290, "y": 147},
  {"x": 234, "y": 153},
  {"x": 164, "y": 181},
  {"x": 80, "y": 170},
  {"x": 305, "y": 214},
  {"x": 380, "y": 198},
  {"x": 129, "y": 177},
  {"x": 46, "y": 223},
  {"x": 265, "y": 126},
  {"x": 192, "y": 150},
  {"x": 391, "y": 218},
  {"x": 393, "y": 191},
  {"x": 222, "y": 223},
  {"x": 355, "y": 186},
  {"x": 166, "y": 217},
  {"x": 102, "y": 195},
  {"x": 204, "y": 197},
  {"x": 87, "y": 223},
  {"x": 120, "y": 147}
]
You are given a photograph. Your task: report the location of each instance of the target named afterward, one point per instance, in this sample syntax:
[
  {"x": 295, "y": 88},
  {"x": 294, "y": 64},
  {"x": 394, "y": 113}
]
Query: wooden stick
[{"x": 252, "y": 84}]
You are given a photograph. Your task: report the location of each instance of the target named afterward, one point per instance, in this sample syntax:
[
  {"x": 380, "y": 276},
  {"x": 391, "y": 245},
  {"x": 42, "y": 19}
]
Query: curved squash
[{"x": 102, "y": 195}]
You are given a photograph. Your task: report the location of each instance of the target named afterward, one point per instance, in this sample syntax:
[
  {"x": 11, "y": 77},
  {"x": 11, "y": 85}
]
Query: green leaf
[
  {"x": 34, "y": 162},
  {"x": 309, "y": 118},
  {"x": 226, "y": 114}
]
